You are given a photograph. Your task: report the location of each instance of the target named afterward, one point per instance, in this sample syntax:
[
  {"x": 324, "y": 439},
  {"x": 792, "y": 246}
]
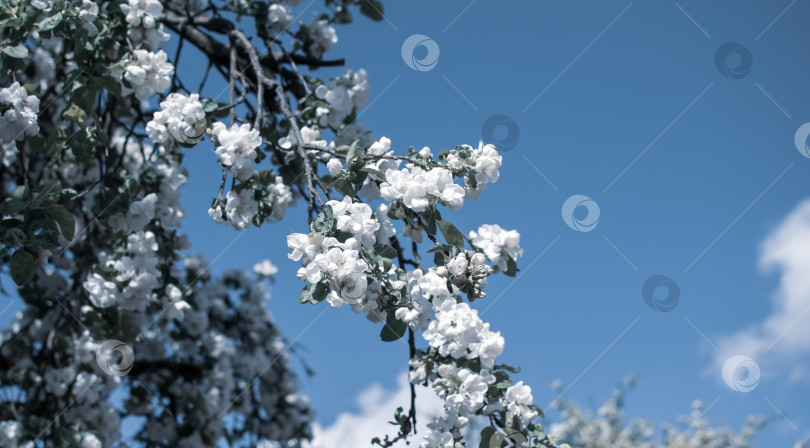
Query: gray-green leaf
[
  {"x": 22, "y": 267},
  {"x": 393, "y": 329},
  {"x": 18, "y": 51},
  {"x": 451, "y": 234}
]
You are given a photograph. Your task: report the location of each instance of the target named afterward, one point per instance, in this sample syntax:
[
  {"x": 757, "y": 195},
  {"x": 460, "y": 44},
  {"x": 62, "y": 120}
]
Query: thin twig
[{"x": 285, "y": 109}]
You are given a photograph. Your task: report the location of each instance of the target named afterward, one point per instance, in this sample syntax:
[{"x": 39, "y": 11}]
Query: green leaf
[
  {"x": 511, "y": 267},
  {"x": 12, "y": 206},
  {"x": 429, "y": 219},
  {"x": 451, "y": 234},
  {"x": 18, "y": 51},
  {"x": 75, "y": 113},
  {"x": 373, "y": 9},
  {"x": 486, "y": 436},
  {"x": 439, "y": 248},
  {"x": 313, "y": 293},
  {"x": 19, "y": 191},
  {"x": 325, "y": 220},
  {"x": 22, "y": 267},
  {"x": 385, "y": 251},
  {"x": 49, "y": 23},
  {"x": 392, "y": 210},
  {"x": 510, "y": 368},
  {"x": 377, "y": 173},
  {"x": 393, "y": 329},
  {"x": 65, "y": 220},
  {"x": 344, "y": 186}
]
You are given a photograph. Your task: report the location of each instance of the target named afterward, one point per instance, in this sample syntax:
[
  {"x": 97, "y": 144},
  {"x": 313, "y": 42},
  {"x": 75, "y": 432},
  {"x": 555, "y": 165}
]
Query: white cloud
[
  {"x": 783, "y": 337},
  {"x": 377, "y": 407}
]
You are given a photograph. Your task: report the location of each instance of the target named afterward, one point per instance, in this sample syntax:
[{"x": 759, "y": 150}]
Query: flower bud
[
  {"x": 397, "y": 285},
  {"x": 441, "y": 271},
  {"x": 301, "y": 274},
  {"x": 478, "y": 259}
]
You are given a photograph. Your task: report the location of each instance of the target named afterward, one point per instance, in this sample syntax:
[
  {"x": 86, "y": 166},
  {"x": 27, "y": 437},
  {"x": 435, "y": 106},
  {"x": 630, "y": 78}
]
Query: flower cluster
[
  {"x": 279, "y": 18},
  {"x": 149, "y": 73},
  {"x": 19, "y": 113},
  {"x": 459, "y": 332},
  {"x": 478, "y": 166},
  {"x": 309, "y": 136},
  {"x": 380, "y": 150},
  {"x": 238, "y": 211},
  {"x": 464, "y": 393},
  {"x": 144, "y": 13},
  {"x": 236, "y": 148},
  {"x": 339, "y": 264},
  {"x": 418, "y": 188},
  {"x": 247, "y": 206},
  {"x": 343, "y": 95},
  {"x": 607, "y": 427},
  {"x": 180, "y": 119},
  {"x": 136, "y": 272},
  {"x": 143, "y": 17},
  {"x": 319, "y": 36},
  {"x": 499, "y": 245}
]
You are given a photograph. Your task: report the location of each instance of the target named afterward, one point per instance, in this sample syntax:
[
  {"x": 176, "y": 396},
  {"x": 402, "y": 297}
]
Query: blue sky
[
  {"x": 617, "y": 79},
  {"x": 619, "y": 101}
]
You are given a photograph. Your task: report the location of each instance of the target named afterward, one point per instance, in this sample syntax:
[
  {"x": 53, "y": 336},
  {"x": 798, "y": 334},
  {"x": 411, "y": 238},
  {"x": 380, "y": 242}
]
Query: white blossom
[
  {"x": 310, "y": 136},
  {"x": 237, "y": 148},
  {"x": 265, "y": 268},
  {"x": 486, "y": 163},
  {"x": 344, "y": 95},
  {"x": 279, "y": 18},
  {"x": 57, "y": 381},
  {"x": 334, "y": 166},
  {"x": 139, "y": 214},
  {"x": 356, "y": 218},
  {"x": 279, "y": 198},
  {"x": 144, "y": 13},
  {"x": 321, "y": 36},
  {"x": 180, "y": 119},
  {"x": 518, "y": 401},
  {"x": 415, "y": 187},
  {"x": 149, "y": 73},
  {"x": 240, "y": 208},
  {"x": 497, "y": 244},
  {"x": 20, "y": 119},
  {"x": 460, "y": 333},
  {"x": 154, "y": 37}
]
